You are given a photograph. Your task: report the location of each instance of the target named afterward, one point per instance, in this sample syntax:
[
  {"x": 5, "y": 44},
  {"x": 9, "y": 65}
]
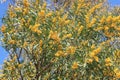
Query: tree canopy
[{"x": 68, "y": 43}]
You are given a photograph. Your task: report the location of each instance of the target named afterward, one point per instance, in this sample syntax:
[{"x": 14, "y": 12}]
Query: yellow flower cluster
[
  {"x": 71, "y": 50},
  {"x": 109, "y": 24},
  {"x": 49, "y": 14},
  {"x": 26, "y": 3},
  {"x": 108, "y": 62},
  {"x": 18, "y": 9},
  {"x": 44, "y": 5},
  {"x": 25, "y": 44},
  {"x": 35, "y": 28},
  {"x": 67, "y": 36},
  {"x": 41, "y": 13},
  {"x": 25, "y": 11},
  {"x": 12, "y": 14},
  {"x": 62, "y": 20},
  {"x": 41, "y": 42},
  {"x": 93, "y": 46},
  {"x": 89, "y": 60},
  {"x": 59, "y": 53},
  {"x": 95, "y": 7},
  {"x": 94, "y": 53},
  {"x": 117, "y": 73},
  {"x": 80, "y": 29},
  {"x": 11, "y": 41},
  {"x": 90, "y": 22},
  {"x": 54, "y": 36},
  {"x": 75, "y": 65},
  {"x": 3, "y": 28}
]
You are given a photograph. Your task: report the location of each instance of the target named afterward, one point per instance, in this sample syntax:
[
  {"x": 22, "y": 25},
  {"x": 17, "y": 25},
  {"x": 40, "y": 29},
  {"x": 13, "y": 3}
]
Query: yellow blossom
[
  {"x": 96, "y": 58},
  {"x": 35, "y": 28},
  {"x": 98, "y": 28},
  {"x": 11, "y": 14},
  {"x": 59, "y": 47},
  {"x": 41, "y": 42},
  {"x": 117, "y": 53},
  {"x": 91, "y": 23},
  {"x": 39, "y": 32},
  {"x": 37, "y": 2},
  {"x": 113, "y": 25},
  {"x": 18, "y": 9},
  {"x": 49, "y": 14},
  {"x": 96, "y": 51},
  {"x": 84, "y": 42},
  {"x": 80, "y": 29},
  {"x": 67, "y": 36},
  {"x": 14, "y": 58},
  {"x": 25, "y": 44},
  {"x": 22, "y": 20},
  {"x": 65, "y": 54},
  {"x": 25, "y": 11},
  {"x": 117, "y": 28},
  {"x": 3, "y": 28},
  {"x": 67, "y": 22},
  {"x": 94, "y": 8},
  {"x": 11, "y": 41},
  {"x": 44, "y": 5},
  {"x": 87, "y": 19},
  {"x": 106, "y": 28},
  {"x": 75, "y": 65},
  {"x": 93, "y": 46},
  {"x": 71, "y": 50},
  {"x": 92, "y": 54},
  {"x": 65, "y": 16},
  {"x": 54, "y": 36},
  {"x": 41, "y": 13},
  {"x": 102, "y": 20},
  {"x": 109, "y": 18},
  {"x": 59, "y": 53},
  {"x": 78, "y": 8},
  {"x": 20, "y": 65},
  {"x": 89, "y": 60},
  {"x": 108, "y": 64},
  {"x": 26, "y": 3},
  {"x": 28, "y": 22},
  {"x": 75, "y": 74},
  {"x": 54, "y": 20},
  {"x": 40, "y": 50},
  {"x": 108, "y": 61},
  {"x": 108, "y": 34},
  {"x": 36, "y": 25},
  {"x": 117, "y": 73}
]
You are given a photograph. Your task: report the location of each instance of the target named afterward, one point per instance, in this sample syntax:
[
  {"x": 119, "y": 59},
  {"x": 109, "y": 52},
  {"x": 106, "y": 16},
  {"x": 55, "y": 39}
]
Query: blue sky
[
  {"x": 3, "y": 9},
  {"x": 114, "y": 2}
]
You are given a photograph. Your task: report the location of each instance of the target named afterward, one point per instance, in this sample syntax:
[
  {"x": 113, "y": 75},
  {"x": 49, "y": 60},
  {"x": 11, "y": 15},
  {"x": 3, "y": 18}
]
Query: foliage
[
  {"x": 60, "y": 44},
  {"x": 116, "y": 10}
]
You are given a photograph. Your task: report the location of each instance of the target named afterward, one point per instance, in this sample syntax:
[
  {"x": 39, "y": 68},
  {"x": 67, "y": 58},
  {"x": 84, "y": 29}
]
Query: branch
[{"x": 18, "y": 56}]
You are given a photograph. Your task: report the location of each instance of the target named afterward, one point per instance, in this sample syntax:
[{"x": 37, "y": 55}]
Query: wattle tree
[{"x": 68, "y": 43}]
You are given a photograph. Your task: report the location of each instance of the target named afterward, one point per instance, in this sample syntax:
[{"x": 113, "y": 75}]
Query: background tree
[{"x": 60, "y": 44}]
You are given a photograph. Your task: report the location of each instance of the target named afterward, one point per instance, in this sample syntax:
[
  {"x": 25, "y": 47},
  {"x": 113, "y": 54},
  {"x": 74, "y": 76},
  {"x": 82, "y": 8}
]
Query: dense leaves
[{"x": 65, "y": 43}]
